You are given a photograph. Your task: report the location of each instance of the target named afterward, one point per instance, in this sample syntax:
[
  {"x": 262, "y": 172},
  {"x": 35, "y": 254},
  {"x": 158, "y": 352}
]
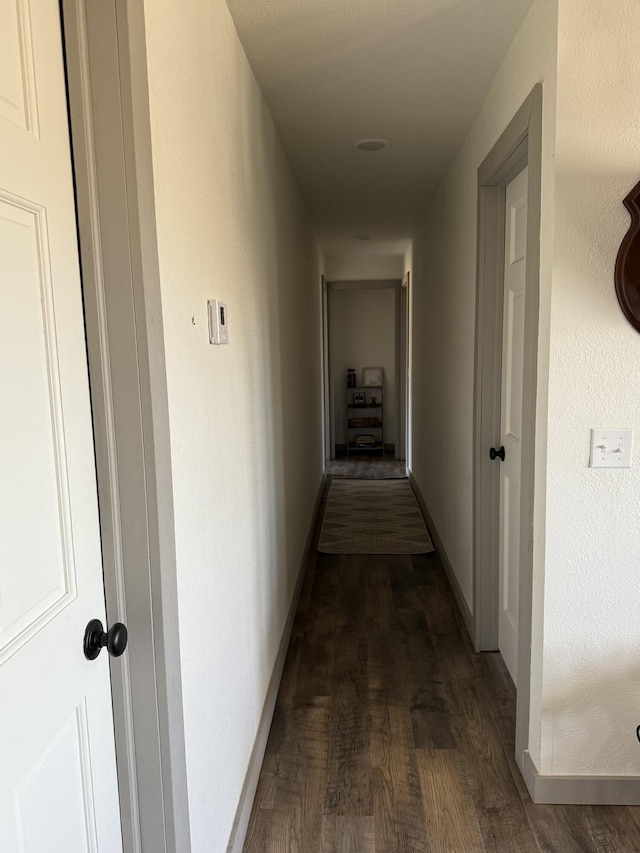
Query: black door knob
[
  {"x": 95, "y": 638},
  {"x": 496, "y": 454}
]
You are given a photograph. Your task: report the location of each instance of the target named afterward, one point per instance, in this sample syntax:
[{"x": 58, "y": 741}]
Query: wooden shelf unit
[{"x": 373, "y": 413}]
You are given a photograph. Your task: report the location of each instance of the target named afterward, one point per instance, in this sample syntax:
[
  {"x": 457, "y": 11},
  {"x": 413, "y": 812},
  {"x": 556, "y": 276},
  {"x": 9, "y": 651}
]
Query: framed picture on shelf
[
  {"x": 372, "y": 376},
  {"x": 359, "y": 398}
]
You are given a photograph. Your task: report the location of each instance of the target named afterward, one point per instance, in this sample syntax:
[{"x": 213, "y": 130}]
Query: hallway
[
  {"x": 199, "y": 200},
  {"x": 391, "y": 734}
]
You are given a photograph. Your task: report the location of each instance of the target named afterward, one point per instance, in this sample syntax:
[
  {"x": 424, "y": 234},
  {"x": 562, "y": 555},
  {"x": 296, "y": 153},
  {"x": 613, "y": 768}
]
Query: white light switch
[
  {"x": 218, "y": 331},
  {"x": 611, "y": 448}
]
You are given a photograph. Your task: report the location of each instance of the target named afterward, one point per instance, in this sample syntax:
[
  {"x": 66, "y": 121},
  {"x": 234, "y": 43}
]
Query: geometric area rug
[{"x": 373, "y": 517}]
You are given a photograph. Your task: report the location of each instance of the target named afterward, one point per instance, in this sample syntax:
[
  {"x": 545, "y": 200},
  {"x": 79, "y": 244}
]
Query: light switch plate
[{"x": 611, "y": 448}]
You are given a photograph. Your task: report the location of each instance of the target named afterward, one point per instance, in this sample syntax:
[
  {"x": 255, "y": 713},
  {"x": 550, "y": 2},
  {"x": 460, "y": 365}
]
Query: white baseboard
[
  {"x": 446, "y": 562},
  {"x": 243, "y": 812},
  {"x": 580, "y": 790}
]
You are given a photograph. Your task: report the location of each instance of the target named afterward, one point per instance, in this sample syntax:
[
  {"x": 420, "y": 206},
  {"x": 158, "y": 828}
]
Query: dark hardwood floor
[{"x": 391, "y": 735}]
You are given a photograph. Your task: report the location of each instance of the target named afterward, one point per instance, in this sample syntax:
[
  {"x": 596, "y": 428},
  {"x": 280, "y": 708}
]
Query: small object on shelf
[
  {"x": 359, "y": 423},
  {"x": 359, "y": 398},
  {"x": 365, "y": 440},
  {"x": 372, "y": 376},
  {"x": 373, "y": 401},
  {"x": 351, "y": 377}
]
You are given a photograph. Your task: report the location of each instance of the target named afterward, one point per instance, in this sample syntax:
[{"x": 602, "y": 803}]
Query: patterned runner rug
[
  {"x": 373, "y": 517},
  {"x": 368, "y": 469}
]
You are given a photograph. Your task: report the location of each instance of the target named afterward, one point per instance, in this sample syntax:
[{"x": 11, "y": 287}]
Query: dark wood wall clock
[{"x": 627, "y": 273}]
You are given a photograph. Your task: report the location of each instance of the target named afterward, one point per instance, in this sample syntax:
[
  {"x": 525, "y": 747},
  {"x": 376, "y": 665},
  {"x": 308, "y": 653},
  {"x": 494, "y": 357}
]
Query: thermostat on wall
[{"x": 218, "y": 332}]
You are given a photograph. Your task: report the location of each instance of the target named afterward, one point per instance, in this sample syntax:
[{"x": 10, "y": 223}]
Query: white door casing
[
  {"x": 404, "y": 368},
  {"x": 58, "y": 789},
  {"x": 513, "y": 330}
]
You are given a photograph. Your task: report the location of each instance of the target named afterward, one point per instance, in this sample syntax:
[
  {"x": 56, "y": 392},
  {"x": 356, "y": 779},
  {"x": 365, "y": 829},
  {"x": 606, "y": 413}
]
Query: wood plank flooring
[{"x": 391, "y": 735}]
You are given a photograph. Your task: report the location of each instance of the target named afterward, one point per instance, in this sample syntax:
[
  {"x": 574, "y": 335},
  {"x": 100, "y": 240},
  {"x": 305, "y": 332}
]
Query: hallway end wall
[
  {"x": 245, "y": 418},
  {"x": 444, "y": 306},
  {"x": 363, "y": 334}
]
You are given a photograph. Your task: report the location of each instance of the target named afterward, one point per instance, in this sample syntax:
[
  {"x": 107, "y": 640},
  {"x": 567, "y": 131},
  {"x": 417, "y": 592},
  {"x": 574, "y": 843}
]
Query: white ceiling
[{"x": 414, "y": 72}]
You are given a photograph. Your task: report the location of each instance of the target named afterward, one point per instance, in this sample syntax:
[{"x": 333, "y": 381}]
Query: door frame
[
  {"x": 520, "y": 145},
  {"x": 330, "y": 391},
  {"x": 404, "y": 371},
  {"x": 105, "y": 56},
  {"x": 327, "y": 433}
]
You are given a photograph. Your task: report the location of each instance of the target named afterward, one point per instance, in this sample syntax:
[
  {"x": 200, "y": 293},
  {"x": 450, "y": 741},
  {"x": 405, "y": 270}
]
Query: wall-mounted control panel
[
  {"x": 218, "y": 330},
  {"x": 611, "y": 448}
]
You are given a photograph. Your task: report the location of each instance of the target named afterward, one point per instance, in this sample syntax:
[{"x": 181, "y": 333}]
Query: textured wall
[
  {"x": 363, "y": 334},
  {"x": 592, "y": 597},
  {"x": 245, "y": 418}
]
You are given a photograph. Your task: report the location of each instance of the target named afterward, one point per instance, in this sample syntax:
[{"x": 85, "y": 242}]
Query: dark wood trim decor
[{"x": 627, "y": 271}]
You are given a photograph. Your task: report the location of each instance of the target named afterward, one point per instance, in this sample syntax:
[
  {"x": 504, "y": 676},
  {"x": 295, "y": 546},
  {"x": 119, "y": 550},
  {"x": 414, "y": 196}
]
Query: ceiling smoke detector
[{"x": 371, "y": 144}]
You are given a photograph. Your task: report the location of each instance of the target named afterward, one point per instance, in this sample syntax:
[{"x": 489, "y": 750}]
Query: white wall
[
  {"x": 444, "y": 285},
  {"x": 592, "y": 594},
  {"x": 586, "y": 633},
  {"x": 363, "y": 334},
  {"x": 363, "y": 267},
  {"x": 245, "y": 418}
]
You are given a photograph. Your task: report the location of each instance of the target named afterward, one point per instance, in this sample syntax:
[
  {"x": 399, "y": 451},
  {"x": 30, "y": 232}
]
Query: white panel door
[
  {"x": 511, "y": 417},
  {"x": 58, "y": 789}
]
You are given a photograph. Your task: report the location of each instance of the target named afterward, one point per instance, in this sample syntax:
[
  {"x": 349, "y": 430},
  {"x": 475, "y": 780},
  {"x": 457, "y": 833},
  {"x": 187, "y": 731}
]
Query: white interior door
[
  {"x": 58, "y": 790},
  {"x": 511, "y": 417}
]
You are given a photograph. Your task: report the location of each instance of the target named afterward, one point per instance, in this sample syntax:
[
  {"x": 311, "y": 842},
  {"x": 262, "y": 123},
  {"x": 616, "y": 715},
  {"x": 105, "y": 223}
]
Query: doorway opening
[
  {"x": 495, "y": 399},
  {"x": 404, "y": 321},
  {"x": 365, "y": 378}
]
